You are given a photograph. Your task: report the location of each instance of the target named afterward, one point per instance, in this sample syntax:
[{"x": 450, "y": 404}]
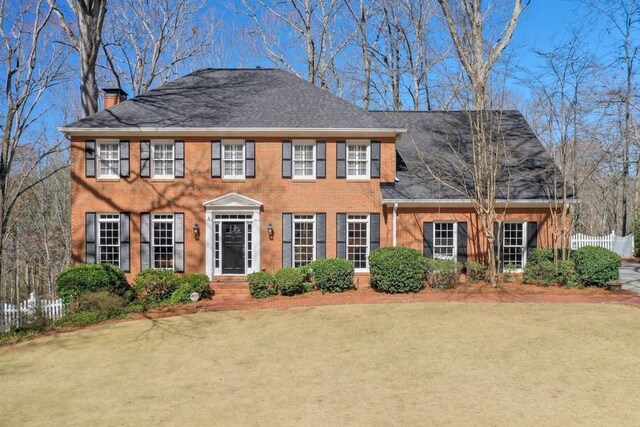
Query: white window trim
[
  {"x": 293, "y": 235},
  {"x": 455, "y": 239},
  {"x": 524, "y": 246},
  {"x": 99, "y": 144},
  {"x": 368, "y": 245},
  {"x": 173, "y": 238},
  {"x": 100, "y": 217},
  {"x": 353, "y": 142},
  {"x": 227, "y": 142},
  {"x": 154, "y": 143},
  {"x": 303, "y": 142}
]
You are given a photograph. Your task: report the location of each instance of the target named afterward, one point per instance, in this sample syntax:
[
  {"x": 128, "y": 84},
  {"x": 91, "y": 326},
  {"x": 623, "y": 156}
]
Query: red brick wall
[{"x": 136, "y": 195}]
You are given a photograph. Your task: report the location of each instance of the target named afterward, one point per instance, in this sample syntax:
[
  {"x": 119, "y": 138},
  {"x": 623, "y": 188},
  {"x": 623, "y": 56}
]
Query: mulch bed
[{"x": 481, "y": 292}]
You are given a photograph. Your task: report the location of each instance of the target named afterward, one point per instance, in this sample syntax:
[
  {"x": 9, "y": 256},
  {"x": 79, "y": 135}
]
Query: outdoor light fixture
[
  {"x": 196, "y": 231},
  {"x": 270, "y": 231}
]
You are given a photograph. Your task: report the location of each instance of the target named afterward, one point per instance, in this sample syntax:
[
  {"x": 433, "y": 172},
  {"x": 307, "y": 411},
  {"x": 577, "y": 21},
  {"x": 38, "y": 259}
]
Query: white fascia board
[
  {"x": 232, "y": 132},
  {"x": 529, "y": 203}
]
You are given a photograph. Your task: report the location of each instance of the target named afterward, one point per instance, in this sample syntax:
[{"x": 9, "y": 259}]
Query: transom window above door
[
  {"x": 108, "y": 159},
  {"x": 162, "y": 159},
  {"x": 358, "y": 166},
  {"x": 304, "y": 156},
  {"x": 233, "y": 160}
]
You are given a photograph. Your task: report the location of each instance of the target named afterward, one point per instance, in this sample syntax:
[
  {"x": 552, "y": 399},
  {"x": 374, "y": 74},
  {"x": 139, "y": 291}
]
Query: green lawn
[{"x": 463, "y": 364}]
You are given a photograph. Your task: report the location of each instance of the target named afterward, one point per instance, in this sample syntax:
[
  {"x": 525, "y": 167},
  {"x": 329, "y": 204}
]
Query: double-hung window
[
  {"x": 162, "y": 229},
  {"x": 358, "y": 159},
  {"x": 163, "y": 159},
  {"x": 233, "y": 166},
  {"x": 304, "y": 159},
  {"x": 109, "y": 238},
  {"x": 444, "y": 240},
  {"x": 358, "y": 241},
  {"x": 513, "y": 246},
  {"x": 303, "y": 239},
  {"x": 108, "y": 159}
]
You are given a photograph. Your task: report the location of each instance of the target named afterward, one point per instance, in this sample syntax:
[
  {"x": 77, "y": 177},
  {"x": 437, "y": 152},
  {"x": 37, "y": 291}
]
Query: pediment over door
[{"x": 232, "y": 201}]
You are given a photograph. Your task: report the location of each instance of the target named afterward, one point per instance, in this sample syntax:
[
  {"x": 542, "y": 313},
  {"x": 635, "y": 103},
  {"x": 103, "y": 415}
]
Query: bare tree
[
  {"x": 166, "y": 36},
  {"x": 86, "y": 40},
  {"x": 478, "y": 55},
  {"x": 362, "y": 17},
  {"x": 31, "y": 66}
]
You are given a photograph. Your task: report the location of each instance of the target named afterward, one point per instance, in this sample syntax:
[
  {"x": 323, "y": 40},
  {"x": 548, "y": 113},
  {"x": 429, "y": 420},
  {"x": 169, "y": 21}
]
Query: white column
[
  {"x": 256, "y": 266},
  {"x": 395, "y": 208},
  {"x": 208, "y": 241}
]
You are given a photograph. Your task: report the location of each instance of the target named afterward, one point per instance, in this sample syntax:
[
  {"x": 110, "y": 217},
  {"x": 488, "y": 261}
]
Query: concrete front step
[
  {"x": 230, "y": 278},
  {"x": 230, "y": 289}
]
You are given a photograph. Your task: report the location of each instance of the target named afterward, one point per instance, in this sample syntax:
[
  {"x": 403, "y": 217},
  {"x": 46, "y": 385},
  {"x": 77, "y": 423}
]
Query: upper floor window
[
  {"x": 233, "y": 160},
  {"x": 163, "y": 159},
  {"x": 304, "y": 241},
  {"x": 358, "y": 240},
  {"x": 358, "y": 159},
  {"x": 162, "y": 241},
  {"x": 109, "y": 239},
  {"x": 108, "y": 159},
  {"x": 444, "y": 240},
  {"x": 304, "y": 159}
]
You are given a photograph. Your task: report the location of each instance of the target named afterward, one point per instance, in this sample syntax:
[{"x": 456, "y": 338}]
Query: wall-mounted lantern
[
  {"x": 196, "y": 231},
  {"x": 270, "y": 231}
]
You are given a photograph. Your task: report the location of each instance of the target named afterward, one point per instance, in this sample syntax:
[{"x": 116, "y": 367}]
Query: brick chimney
[{"x": 113, "y": 96}]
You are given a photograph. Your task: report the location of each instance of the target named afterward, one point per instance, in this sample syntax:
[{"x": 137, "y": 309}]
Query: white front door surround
[{"x": 232, "y": 207}]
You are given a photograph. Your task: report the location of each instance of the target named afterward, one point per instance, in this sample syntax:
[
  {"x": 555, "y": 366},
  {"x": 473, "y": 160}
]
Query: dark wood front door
[{"x": 233, "y": 248}]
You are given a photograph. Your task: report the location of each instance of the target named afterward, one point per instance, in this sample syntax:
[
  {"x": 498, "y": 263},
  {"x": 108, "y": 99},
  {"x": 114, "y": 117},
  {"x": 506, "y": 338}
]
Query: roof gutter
[
  {"x": 515, "y": 203},
  {"x": 230, "y": 131}
]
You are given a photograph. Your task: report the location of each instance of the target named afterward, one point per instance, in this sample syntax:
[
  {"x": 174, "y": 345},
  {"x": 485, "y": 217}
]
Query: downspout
[{"x": 395, "y": 209}]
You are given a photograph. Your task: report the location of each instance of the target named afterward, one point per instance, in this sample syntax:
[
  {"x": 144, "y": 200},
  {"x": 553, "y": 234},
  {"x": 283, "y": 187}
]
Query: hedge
[
  {"x": 332, "y": 274},
  {"x": 442, "y": 273},
  {"x": 156, "y": 284},
  {"x": 476, "y": 272},
  {"x": 596, "y": 266},
  {"x": 82, "y": 278},
  {"x": 261, "y": 285},
  {"x": 188, "y": 284},
  {"x": 397, "y": 270}
]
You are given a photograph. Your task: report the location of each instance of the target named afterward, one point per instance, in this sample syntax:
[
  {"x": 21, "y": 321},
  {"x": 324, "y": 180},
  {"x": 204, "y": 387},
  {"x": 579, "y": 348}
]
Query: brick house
[{"x": 233, "y": 171}]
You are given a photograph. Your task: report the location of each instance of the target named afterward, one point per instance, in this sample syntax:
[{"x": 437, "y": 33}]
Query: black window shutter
[
  {"x": 145, "y": 159},
  {"x": 375, "y": 159},
  {"x": 250, "y": 158},
  {"x": 498, "y": 230},
  {"x": 286, "y": 159},
  {"x": 321, "y": 159},
  {"x": 145, "y": 240},
  {"x": 90, "y": 237},
  {"x": 532, "y": 236},
  {"x": 321, "y": 235},
  {"x": 216, "y": 155},
  {"x": 178, "y": 242},
  {"x": 427, "y": 239},
  {"x": 462, "y": 242},
  {"x": 374, "y": 240},
  {"x": 178, "y": 149},
  {"x": 287, "y": 246},
  {"x": 341, "y": 159},
  {"x": 125, "y": 248},
  {"x": 124, "y": 159},
  {"x": 341, "y": 232},
  {"x": 90, "y": 159}
]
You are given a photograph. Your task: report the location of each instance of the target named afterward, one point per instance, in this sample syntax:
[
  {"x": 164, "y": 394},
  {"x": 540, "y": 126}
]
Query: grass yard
[{"x": 449, "y": 363}]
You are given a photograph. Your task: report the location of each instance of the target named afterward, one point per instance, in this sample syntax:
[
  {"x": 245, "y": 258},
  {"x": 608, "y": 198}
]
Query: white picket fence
[
  {"x": 15, "y": 315},
  {"x": 622, "y": 245}
]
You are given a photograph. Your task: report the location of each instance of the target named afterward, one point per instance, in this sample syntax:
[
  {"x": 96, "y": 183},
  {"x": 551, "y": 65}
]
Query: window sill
[
  {"x": 114, "y": 179},
  {"x": 303, "y": 180},
  {"x": 361, "y": 270},
  {"x": 358, "y": 179}
]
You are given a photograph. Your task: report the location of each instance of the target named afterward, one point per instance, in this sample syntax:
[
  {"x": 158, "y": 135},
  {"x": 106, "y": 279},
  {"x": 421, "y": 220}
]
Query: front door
[{"x": 233, "y": 248}]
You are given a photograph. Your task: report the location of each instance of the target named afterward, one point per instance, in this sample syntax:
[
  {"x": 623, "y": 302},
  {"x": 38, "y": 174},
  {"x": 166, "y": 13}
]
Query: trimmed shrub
[
  {"x": 333, "y": 274},
  {"x": 442, "y": 273},
  {"x": 100, "y": 302},
  {"x": 476, "y": 272},
  {"x": 539, "y": 255},
  {"x": 190, "y": 283},
  {"x": 567, "y": 275},
  {"x": 288, "y": 281},
  {"x": 261, "y": 285},
  {"x": 307, "y": 274},
  {"x": 636, "y": 234},
  {"x": 596, "y": 266},
  {"x": 156, "y": 284},
  {"x": 81, "y": 278},
  {"x": 308, "y": 287},
  {"x": 397, "y": 270}
]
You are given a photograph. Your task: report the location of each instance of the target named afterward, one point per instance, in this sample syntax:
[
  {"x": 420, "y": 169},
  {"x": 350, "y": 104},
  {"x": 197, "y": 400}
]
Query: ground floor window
[
  {"x": 358, "y": 240},
  {"x": 109, "y": 239},
  {"x": 303, "y": 239},
  {"x": 444, "y": 240},
  {"x": 513, "y": 246},
  {"x": 162, "y": 241}
]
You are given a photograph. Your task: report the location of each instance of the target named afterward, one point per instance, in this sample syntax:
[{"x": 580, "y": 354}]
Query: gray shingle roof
[
  {"x": 443, "y": 138},
  {"x": 234, "y": 98}
]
